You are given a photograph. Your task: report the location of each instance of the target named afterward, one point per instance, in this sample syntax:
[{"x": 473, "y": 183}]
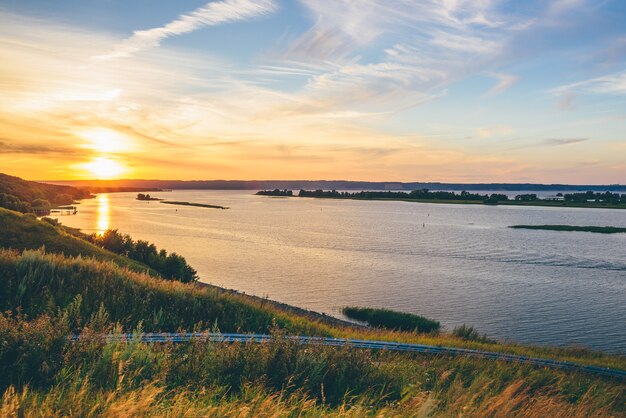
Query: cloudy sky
[{"x": 398, "y": 90}]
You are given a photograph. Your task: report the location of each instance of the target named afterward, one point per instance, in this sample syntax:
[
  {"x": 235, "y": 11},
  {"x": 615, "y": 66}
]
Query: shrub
[
  {"x": 469, "y": 333},
  {"x": 386, "y": 318}
]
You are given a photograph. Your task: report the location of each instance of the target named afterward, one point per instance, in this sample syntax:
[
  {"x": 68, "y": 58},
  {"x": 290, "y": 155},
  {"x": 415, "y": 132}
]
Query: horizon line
[{"x": 337, "y": 180}]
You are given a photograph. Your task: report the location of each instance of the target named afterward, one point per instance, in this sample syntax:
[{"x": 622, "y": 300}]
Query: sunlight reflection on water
[{"x": 103, "y": 218}]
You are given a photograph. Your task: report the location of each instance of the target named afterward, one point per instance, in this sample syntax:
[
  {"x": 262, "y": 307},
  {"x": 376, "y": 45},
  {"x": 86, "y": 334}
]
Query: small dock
[{"x": 64, "y": 210}]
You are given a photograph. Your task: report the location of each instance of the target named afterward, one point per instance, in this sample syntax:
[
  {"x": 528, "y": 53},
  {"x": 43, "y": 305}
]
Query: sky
[{"x": 380, "y": 90}]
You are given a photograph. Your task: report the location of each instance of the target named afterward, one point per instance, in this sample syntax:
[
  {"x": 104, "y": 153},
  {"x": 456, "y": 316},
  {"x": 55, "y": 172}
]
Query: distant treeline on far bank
[{"x": 588, "y": 198}]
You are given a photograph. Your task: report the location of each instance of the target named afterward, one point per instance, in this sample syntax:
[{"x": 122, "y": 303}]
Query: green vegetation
[
  {"x": 26, "y": 232},
  {"x": 42, "y": 284},
  {"x": 29, "y": 196},
  {"x": 596, "y": 197},
  {"x": 386, "y": 318},
  {"x": 469, "y": 333},
  {"x": 169, "y": 266},
  {"x": 44, "y": 297},
  {"x": 11, "y": 202},
  {"x": 141, "y": 196},
  {"x": 200, "y": 205},
  {"x": 577, "y": 200},
  {"x": 275, "y": 192},
  {"x": 418, "y": 195},
  {"x": 597, "y": 229},
  {"x": 44, "y": 374}
]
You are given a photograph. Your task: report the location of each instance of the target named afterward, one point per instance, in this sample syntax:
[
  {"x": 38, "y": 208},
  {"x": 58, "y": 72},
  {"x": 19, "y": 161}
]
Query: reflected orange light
[{"x": 103, "y": 219}]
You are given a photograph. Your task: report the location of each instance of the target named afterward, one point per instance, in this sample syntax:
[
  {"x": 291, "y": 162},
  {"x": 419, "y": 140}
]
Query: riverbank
[{"x": 311, "y": 315}]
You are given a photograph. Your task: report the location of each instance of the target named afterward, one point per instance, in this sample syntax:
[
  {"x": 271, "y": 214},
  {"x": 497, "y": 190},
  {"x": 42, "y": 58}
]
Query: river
[{"x": 453, "y": 263}]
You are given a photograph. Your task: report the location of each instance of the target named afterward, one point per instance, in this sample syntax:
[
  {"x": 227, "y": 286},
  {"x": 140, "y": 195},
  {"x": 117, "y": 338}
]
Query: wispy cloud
[
  {"x": 607, "y": 84},
  {"x": 503, "y": 83},
  {"x": 213, "y": 13},
  {"x": 441, "y": 42},
  {"x": 332, "y": 93},
  {"x": 10, "y": 147},
  {"x": 555, "y": 142}
]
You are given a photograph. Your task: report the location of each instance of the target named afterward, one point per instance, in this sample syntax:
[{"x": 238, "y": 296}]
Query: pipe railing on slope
[{"x": 174, "y": 337}]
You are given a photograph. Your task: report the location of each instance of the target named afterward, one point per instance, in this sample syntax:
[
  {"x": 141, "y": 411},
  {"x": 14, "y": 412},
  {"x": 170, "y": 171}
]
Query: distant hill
[
  {"x": 332, "y": 184},
  {"x": 21, "y": 195}
]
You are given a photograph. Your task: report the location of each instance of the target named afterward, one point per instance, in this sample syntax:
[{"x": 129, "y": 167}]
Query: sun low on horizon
[
  {"x": 103, "y": 168},
  {"x": 455, "y": 91}
]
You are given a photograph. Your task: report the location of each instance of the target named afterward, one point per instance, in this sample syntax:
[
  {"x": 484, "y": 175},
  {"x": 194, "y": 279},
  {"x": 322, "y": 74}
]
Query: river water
[{"x": 453, "y": 263}]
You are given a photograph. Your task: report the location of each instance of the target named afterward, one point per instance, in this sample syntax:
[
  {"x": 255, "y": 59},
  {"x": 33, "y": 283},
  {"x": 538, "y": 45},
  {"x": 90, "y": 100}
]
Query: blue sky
[{"x": 453, "y": 90}]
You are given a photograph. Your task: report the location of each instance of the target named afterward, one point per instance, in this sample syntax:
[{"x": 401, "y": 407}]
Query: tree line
[
  {"x": 275, "y": 192},
  {"x": 170, "y": 266},
  {"x": 421, "y": 194},
  {"x": 493, "y": 198},
  {"x": 38, "y": 206},
  {"x": 589, "y": 196}
]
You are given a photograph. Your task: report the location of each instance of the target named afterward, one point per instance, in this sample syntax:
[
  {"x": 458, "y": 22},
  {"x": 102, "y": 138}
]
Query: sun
[{"x": 104, "y": 168}]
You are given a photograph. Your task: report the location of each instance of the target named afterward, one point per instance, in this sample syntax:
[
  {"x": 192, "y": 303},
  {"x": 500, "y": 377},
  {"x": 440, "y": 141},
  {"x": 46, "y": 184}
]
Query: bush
[
  {"x": 11, "y": 202},
  {"x": 386, "y": 318},
  {"x": 469, "y": 333}
]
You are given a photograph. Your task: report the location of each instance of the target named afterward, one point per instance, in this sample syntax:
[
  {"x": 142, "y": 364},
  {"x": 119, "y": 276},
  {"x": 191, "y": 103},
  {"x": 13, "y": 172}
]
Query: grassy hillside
[
  {"x": 92, "y": 378},
  {"x": 41, "y": 303},
  {"x": 26, "y": 232},
  {"x": 45, "y": 297},
  {"x": 28, "y": 191},
  {"x": 40, "y": 284}
]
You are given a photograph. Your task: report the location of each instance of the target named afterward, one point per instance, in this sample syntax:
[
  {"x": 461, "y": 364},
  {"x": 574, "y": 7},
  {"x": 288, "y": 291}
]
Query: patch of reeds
[{"x": 389, "y": 319}]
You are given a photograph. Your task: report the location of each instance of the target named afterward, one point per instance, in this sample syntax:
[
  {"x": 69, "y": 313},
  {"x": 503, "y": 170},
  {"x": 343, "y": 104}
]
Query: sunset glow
[
  {"x": 105, "y": 140},
  {"x": 458, "y": 91},
  {"x": 104, "y": 168}
]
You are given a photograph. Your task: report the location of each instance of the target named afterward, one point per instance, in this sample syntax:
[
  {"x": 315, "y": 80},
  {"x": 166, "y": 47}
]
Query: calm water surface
[{"x": 454, "y": 263}]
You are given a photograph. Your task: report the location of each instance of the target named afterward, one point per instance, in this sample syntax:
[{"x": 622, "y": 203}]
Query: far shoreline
[{"x": 550, "y": 204}]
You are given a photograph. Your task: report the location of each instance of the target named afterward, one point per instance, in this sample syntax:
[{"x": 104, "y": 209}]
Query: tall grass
[
  {"x": 26, "y": 232},
  {"x": 93, "y": 378},
  {"x": 469, "y": 333},
  {"x": 42, "y": 373},
  {"x": 153, "y": 400},
  {"x": 38, "y": 283}
]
